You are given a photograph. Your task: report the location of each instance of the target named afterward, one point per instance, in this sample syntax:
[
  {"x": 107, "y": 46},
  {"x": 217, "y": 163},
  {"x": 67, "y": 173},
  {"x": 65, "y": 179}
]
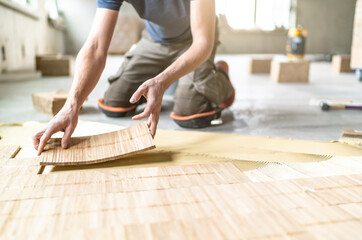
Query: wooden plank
[
  {"x": 202, "y": 146},
  {"x": 19, "y": 162},
  {"x": 351, "y": 137},
  {"x": 341, "y": 230},
  {"x": 99, "y": 148},
  {"x": 103, "y": 182},
  {"x": 8, "y": 151}
]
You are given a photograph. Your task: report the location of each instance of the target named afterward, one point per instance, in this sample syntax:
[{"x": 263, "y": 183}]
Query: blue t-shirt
[{"x": 167, "y": 21}]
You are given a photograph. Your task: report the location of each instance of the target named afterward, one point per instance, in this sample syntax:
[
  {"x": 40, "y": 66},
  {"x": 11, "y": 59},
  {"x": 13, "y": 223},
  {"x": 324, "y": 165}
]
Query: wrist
[
  {"x": 163, "y": 81},
  {"x": 72, "y": 105}
]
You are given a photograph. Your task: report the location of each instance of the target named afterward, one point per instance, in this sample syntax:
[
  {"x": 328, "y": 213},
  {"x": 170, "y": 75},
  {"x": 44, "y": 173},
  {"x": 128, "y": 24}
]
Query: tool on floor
[
  {"x": 351, "y": 137},
  {"x": 296, "y": 42},
  {"x": 328, "y": 104}
]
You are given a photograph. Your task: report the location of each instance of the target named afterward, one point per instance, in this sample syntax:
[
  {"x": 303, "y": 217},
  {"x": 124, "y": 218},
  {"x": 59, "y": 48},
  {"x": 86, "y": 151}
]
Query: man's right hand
[{"x": 66, "y": 121}]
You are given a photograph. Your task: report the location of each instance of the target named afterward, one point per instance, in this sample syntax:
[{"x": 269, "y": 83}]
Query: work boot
[
  {"x": 115, "y": 111},
  {"x": 223, "y": 67},
  {"x": 202, "y": 120}
]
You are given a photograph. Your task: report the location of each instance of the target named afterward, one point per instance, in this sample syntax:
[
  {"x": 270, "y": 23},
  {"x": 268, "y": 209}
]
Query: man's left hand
[{"x": 153, "y": 91}]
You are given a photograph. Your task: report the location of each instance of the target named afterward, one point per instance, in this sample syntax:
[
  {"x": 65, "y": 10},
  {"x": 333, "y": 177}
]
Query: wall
[
  {"x": 78, "y": 25},
  {"x": 78, "y": 16},
  {"x": 23, "y": 37},
  {"x": 243, "y": 41},
  {"x": 329, "y": 23}
]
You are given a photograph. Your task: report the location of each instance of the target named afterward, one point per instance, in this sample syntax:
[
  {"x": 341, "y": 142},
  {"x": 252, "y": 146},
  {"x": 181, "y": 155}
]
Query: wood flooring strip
[
  {"x": 19, "y": 162},
  {"x": 15, "y": 186},
  {"x": 8, "y": 151},
  {"x": 99, "y": 148},
  {"x": 84, "y": 183}
]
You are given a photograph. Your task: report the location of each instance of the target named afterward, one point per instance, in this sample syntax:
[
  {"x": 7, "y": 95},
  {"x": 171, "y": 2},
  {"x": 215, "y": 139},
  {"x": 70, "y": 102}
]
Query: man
[{"x": 179, "y": 43}]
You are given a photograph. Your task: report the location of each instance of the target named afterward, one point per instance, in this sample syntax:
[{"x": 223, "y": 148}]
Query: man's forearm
[
  {"x": 89, "y": 66},
  {"x": 202, "y": 21},
  {"x": 197, "y": 54},
  {"x": 92, "y": 58}
]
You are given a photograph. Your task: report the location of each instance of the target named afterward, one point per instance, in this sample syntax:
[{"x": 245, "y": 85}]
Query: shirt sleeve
[{"x": 110, "y": 4}]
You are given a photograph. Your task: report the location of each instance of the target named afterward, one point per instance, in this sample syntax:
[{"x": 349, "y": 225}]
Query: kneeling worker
[{"x": 179, "y": 43}]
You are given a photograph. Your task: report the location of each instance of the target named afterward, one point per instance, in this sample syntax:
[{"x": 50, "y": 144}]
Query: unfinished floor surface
[
  {"x": 98, "y": 148},
  {"x": 261, "y": 108}
]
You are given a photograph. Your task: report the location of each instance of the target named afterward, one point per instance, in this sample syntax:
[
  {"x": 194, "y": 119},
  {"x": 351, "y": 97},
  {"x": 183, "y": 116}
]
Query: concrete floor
[{"x": 261, "y": 107}]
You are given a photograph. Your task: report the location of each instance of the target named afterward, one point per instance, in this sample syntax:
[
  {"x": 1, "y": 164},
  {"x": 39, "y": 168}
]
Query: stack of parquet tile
[{"x": 99, "y": 148}]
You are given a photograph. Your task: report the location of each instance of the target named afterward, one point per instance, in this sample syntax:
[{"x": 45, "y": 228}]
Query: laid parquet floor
[
  {"x": 293, "y": 199},
  {"x": 8, "y": 151},
  {"x": 212, "y": 201}
]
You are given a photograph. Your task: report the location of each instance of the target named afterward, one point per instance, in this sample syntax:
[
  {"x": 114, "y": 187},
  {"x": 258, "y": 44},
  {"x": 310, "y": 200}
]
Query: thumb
[
  {"x": 66, "y": 138},
  {"x": 137, "y": 95}
]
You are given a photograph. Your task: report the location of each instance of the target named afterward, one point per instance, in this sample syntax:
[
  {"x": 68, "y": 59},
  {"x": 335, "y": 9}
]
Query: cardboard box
[
  {"x": 287, "y": 71},
  {"x": 49, "y": 102},
  {"x": 54, "y": 65},
  {"x": 259, "y": 65},
  {"x": 126, "y": 33},
  {"x": 341, "y": 64},
  {"x": 356, "y": 51}
]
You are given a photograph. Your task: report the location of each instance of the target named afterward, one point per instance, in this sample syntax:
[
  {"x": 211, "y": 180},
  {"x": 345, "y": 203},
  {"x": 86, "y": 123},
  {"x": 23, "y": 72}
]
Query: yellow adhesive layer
[{"x": 194, "y": 147}]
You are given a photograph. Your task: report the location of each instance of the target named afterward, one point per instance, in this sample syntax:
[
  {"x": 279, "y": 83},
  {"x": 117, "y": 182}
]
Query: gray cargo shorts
[{"x": 197, "y": 92}]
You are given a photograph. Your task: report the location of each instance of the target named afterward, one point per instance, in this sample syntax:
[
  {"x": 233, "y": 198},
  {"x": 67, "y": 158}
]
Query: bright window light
[
  {"x": 52, "y": 7},
  {"x": 31, "y": 4},
  {"x": 239, "y": 13},
  {"x": 260, "y": 14},
  {"x": 272, "y": 13}
]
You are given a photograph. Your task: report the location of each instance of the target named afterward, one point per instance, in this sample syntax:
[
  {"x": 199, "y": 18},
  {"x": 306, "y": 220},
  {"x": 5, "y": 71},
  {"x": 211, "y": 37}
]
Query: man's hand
[
  {"x": 66, "y": 121},
  {"x": 153, "y": 91},
  {"x": 202, "y": 18},
  {"x": 89, "y": 66}
]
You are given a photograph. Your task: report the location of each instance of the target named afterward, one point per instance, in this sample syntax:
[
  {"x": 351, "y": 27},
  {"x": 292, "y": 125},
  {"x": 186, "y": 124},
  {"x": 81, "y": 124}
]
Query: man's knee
[
  {"x": 191, "y": 106},
  {"x": 116, "y": 101},
  {"x": 119, "y": 93},
  {"x": 189, "y": 113}
]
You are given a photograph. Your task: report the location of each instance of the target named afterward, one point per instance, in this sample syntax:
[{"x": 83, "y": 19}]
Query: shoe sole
[
  {"x": 115, "y": 112},
  {"x": 201, "y": 120}
]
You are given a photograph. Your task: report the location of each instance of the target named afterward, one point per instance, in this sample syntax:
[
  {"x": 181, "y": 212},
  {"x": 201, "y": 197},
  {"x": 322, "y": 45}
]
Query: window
[
  {"x": 256, "y": 14},
  {"x": 29, "y": 4},
  {"x": 55, "y": 18},
  {"x": 52, "y": 8},
  {"x": 26, "y": 7}
]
